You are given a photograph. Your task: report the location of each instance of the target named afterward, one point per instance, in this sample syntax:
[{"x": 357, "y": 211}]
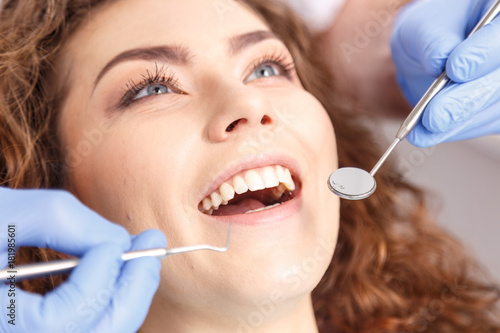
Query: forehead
[{"x": 125, "y": 24}]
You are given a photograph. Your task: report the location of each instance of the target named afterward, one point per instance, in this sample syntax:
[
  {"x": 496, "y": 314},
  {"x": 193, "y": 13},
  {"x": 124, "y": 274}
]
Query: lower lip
[{"x": 266, "y": 216}]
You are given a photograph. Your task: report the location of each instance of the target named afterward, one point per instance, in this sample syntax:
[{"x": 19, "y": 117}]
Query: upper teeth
[{"x": 277, "y": 177}]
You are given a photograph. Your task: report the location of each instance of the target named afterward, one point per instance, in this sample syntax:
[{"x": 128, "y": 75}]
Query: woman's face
[{"x": 173, "y": 106}]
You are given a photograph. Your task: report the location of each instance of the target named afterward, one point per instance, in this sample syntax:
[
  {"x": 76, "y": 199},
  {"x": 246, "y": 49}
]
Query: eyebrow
[
  {"x": 180, "y": 55},
  {"x": 240, "y": 42},
  {"x": 174, "y": 54}
]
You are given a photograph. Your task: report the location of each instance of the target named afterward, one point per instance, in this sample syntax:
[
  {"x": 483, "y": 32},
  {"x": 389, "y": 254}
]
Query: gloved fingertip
[
  {"x": 122, "y": 238},
  {"x": 466, "y": 63},
  {"x": 416, "y": 140},
  {"x": 105, "y": 259},
  {"x": 149, "y": 270},
  {"x": 151, "y": 238},
  {"x": 476, "y": 56},
  {"x": 422, "y": 138},
  {"x": 436, "y": 55},
  {"x": 458, "y": 68},
  {"x": 437, "y": 120},
  {"x": 143, "y": 273},
  {"x": 104, "y": 232},
  {"x": 136, "y": 288}
]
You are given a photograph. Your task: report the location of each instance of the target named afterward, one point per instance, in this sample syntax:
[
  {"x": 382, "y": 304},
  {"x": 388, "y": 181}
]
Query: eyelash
[
  {"x": 282, "y": 60},
  {"x": 160, "y": 76}
]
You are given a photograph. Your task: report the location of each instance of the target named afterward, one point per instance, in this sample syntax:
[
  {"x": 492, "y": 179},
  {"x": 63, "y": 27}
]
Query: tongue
[{"x": 239, "y": 208}]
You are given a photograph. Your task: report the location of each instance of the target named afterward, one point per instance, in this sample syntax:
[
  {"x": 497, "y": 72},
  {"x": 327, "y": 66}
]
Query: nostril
[
  {"x": 232, "y": 125},
  {"x": 266, "y": 120}
]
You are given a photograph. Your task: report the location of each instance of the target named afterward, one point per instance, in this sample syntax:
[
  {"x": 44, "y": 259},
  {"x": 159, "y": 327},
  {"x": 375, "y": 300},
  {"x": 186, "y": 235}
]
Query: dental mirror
[
  {"x": 352, "y": 183},
  {"x": 355, "y": 184}
]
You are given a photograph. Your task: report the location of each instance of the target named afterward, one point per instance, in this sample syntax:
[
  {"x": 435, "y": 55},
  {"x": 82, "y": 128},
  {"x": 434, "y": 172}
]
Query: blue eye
[
  {"x": 262, "y": 71},
  {"x": 154, "y": 89}
]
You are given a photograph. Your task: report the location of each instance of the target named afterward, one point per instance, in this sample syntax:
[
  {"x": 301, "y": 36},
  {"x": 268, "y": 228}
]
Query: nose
[{"x": 241, "y": 110}]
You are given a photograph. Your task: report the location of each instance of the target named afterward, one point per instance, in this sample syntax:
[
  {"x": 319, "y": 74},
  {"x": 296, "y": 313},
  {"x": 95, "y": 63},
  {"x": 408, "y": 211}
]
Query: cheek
[
  {"x": 315, "y": 130},
  {"x": 105, "y": 178},
  {"x": 130, "y": 166}
]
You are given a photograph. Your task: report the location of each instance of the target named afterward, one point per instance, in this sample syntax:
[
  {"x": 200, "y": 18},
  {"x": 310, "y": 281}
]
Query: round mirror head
[{"x": 352, "y": 183}]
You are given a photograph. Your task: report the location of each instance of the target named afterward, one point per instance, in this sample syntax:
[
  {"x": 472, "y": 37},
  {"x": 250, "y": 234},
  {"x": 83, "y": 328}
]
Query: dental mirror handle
[
  {"x": 411, "y": 121},
  {"x": 441, "y": 82}
]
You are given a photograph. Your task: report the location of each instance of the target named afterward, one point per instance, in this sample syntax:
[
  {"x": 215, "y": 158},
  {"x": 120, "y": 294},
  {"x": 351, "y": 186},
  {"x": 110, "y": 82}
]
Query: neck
[{"x": 263, "y": 317}]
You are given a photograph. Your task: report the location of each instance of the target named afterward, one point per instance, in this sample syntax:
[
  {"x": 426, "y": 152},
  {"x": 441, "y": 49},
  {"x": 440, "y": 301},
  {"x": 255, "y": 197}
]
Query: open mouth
[{"x": 251, "y": 191}]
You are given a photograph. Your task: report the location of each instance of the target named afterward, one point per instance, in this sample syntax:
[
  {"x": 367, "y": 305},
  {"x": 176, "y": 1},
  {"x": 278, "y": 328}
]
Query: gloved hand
[
  {"x": 428, "y": 36},
  {"x": 102, "y": 294}
]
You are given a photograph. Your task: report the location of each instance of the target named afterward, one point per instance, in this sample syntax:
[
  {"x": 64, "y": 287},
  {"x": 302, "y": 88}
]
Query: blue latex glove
[
  {"x": 102, "y": 294},
  {"x": 428, "y": 37}
]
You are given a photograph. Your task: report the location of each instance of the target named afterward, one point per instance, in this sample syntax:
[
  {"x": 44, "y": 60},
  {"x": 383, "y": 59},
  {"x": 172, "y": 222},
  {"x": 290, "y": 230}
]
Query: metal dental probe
[
  {"x": 442, "y": 81},
  {"x": 30, "y": 271}
]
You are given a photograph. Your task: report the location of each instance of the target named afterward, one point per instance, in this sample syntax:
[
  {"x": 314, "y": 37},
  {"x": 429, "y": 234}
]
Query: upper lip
[{"x": 253, "y": 162}]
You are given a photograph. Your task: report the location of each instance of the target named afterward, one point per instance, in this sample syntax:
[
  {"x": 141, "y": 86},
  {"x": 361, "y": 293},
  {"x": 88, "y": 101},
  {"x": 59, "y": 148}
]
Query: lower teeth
[{"x": 263, "y": 208}]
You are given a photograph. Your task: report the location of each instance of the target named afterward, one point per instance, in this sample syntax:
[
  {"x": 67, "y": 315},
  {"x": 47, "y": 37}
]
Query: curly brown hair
[{"x": 393, "y": 269}]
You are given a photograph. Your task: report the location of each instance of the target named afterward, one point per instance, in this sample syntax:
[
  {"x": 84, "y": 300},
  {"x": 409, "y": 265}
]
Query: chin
[{"x": 283, "y": 235}]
